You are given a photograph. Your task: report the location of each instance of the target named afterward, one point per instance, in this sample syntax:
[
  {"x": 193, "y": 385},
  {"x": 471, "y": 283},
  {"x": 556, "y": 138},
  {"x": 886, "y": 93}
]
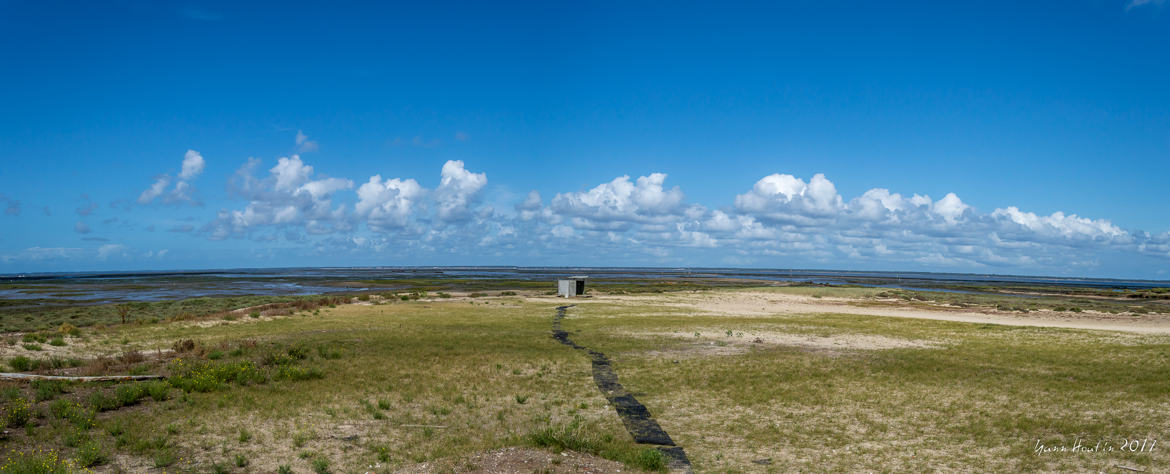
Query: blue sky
[{"x": 974, "y": 137}]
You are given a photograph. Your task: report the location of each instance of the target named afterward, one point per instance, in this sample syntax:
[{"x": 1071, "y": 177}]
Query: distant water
[{"x": 152, "y": 286}]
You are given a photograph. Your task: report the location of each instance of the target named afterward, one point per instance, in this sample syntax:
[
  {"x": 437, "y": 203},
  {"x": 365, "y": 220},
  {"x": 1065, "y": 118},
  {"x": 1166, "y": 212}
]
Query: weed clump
[
  {"x": 286, "y": 372},
  {"x": 321, "y": 466},
  {"x": 72, "y": 412},
  {"x": 20, "y": 363},
  {"x": 37, "y": 461},
  {"x": 17, "y": 413},
  {"x": 572, "y": 437},
  {"x": 47, "y": 389},
  {"x": 91, "y": 454},
  {"x": 207, "y": 376},
  {"x": 129, "y": 394}
]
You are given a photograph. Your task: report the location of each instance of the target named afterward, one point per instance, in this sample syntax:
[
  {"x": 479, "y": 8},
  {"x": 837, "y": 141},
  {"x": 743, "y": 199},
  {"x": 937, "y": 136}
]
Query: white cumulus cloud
[
  {"x": 388, "y": 204},
  {"x": 786, "y": 197},
  {"x": 620, "y": 200},
  {"x": 191, "y": 168},
  {"x": 458, "y": 189},
  {"x": 288, "y": 196},
  {"x": 192, "y": 165}
]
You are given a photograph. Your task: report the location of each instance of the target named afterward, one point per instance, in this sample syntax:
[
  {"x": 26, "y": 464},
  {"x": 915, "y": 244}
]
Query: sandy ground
[
  {"x": 764, "y": 303},
  {"x": 519, "y": 461}
]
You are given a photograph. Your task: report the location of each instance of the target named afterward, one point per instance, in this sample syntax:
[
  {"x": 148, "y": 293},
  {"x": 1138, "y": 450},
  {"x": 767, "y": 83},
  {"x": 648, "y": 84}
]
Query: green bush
[
  {"x": 128, "y": 394},
  {"x": 91, "y": 454},
  {"x": 100, "y": 401},
  {"x": 159, "y": 391},
  {"x": 48, "y": 389},
  {"x": 164, "y": 458},
  {"x": 298, "y": 352},
  {"x": 73, "y": 412},
  {"x": 328, "y": 352},
  {"x": 572, "y": 437},
  {"x": 286, "y": 372},
  {"x": 648, "y": 459},
  {"x": 20, "y": 363},
  {"x": 68, "y": 330},
  {"x": 34, "y": 337},
  {"x": 17, "y": 413},
  {"x": 204, "y": 376},
  {"x": 37, "y": 462},
  {"x": 321, "y": 466}
]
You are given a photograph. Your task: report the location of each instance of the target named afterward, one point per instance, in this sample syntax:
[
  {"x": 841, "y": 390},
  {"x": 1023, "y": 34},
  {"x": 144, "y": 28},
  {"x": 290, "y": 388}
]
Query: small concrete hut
[{"x": 571, "y": 286}]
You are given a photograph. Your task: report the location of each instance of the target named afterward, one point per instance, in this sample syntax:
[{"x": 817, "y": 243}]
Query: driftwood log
[{"x": 92, "y": 378}]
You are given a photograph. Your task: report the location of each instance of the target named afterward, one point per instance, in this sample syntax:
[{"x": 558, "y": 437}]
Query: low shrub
[
  {"x": 321, "y": 466},
  {"x": 68, "y": 330},
  {"x": 129, "y": 394},
  {"x": 101, "y": 401},
  {"x": 164, "y": 458},
  {"x": 91, "y": 454},
  {"x": 328, "y": 352},
  {"x": 572, "y": 437},
  {"x": 20, "y": 363},
  {"x": 158, "y": 391},
  {"x": 34, "y": 337},
  {"x": 72, "y": 412},
  {"x": 38, "y": 462},
  {"x": 648, "y": 459},
  {"x": 286, "y": 372},
  {"x": 206, "y": 376},
  {"x": 48, "y": 389},
  {"x": 17, "y": 413}
]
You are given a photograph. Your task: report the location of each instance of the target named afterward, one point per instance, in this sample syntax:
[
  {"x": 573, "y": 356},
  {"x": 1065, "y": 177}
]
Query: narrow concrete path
[
  {"x": 69, "y": 378},
  {"x": 634, "y": 415}
]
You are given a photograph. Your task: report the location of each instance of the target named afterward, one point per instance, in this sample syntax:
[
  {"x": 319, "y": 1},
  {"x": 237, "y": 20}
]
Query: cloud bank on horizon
[{"x": 782, "y": 220}]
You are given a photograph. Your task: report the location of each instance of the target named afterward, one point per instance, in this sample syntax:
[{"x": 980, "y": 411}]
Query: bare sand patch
[
  {"x": 519, "y": 460},
  {"x": 766, "y": 303},
  {"x": 712, "y": 342}
]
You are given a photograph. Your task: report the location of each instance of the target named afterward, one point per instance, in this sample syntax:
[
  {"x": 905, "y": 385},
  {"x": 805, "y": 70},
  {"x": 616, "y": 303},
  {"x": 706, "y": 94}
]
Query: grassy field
[{"x": 388, "y": 384}]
